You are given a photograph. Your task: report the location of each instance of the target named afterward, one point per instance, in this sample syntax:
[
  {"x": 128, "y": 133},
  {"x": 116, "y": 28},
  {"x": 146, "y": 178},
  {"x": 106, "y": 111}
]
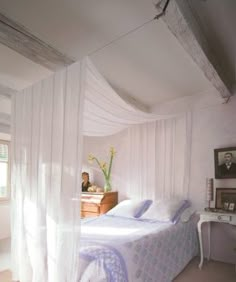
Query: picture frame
[
  {"x": 225, "y": 197},
  {"x": 226, "y": 206},
  {"x": 231, "y": 207},
  {"x": 225, "y": 162}
]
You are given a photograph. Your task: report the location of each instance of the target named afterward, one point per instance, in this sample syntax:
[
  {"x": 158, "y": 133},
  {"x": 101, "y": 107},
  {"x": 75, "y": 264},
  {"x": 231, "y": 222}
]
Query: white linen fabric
[
  {"x": 46, "y": 170},
  {"x": 159, "y": 158},
  {"x": 130, "y": 208},
  {"x": 165, "y": 210},
  {"x": 105, "y": 112},
  {"x": 187, "y": 214}
]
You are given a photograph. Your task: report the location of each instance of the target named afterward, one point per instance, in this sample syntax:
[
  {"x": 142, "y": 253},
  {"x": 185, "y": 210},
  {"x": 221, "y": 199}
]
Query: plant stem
[
  {"x": 109, "y": 170},
  {"x": 104, "y": 172}
]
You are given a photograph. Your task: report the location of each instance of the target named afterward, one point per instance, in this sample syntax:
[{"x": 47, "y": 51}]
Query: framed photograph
[
  {"x": 226, "y": 206},
  {"x": 231, "y": 206},
  {"x": 225, "y": 162},
  {"x": 225, "y": 197}
]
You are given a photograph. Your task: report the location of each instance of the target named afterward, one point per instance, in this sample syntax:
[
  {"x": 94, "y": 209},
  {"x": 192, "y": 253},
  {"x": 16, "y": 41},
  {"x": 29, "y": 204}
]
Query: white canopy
[
  {"x": 49, "y": 119},
  {"x": 105, "y": 112}
]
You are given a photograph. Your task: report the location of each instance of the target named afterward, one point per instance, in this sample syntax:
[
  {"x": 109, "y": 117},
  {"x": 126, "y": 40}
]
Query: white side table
[{"x": 209, "y": 217}]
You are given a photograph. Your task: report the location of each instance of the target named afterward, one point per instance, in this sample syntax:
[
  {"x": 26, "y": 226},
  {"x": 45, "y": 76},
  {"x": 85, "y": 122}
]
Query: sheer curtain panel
[
  {"x": 46, "y": 174},
  {"x": 159, "y": 158}
]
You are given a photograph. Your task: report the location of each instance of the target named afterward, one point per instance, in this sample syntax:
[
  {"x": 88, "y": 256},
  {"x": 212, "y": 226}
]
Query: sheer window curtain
[{"x": 46, "y": 169}]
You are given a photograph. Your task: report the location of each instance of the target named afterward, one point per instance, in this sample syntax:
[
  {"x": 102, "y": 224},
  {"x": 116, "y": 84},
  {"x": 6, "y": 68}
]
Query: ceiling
[
  {"x": 218, "y": 21},
  {"x": 148, "y": 65}
]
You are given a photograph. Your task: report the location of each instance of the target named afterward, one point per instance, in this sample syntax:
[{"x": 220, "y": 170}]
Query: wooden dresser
[{"x": 95, "y": 204}]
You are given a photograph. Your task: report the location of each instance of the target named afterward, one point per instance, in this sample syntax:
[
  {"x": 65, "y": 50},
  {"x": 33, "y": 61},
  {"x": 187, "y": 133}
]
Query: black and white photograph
[
  {"x": 226, "y": 206},
  {"x": 225, "y": 162},
  {"x": 225, "y": 197},
  {"x": 231, "y": 206}
]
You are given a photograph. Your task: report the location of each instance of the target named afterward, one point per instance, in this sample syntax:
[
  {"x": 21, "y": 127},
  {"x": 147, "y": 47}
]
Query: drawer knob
[{"x": 219, "y": 217}]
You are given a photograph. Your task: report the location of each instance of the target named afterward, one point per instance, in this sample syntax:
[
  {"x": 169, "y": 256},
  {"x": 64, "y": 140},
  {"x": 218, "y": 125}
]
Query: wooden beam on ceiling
[
  {"x": 19, "y": 39},
  {"x": 183, "y": 24}
]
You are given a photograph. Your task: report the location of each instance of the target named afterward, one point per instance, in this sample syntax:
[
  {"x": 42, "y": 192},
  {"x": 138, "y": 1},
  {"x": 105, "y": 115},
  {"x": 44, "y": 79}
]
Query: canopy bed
[{"x": 48, "y": 124}]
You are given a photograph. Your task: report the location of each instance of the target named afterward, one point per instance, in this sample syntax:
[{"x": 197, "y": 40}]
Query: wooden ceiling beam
[
  {"x": 184, "y": 25},
  {"x": 19, "y": 39}
]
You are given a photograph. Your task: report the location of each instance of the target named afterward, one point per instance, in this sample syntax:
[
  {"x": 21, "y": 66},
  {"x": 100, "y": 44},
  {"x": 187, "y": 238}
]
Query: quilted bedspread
[{"x": 122, "y": 249}]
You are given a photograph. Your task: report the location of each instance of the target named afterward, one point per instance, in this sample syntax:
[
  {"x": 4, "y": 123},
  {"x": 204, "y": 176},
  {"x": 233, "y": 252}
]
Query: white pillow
[
  {"x": 166, "y": 210},
  {"x": 186, "y": 215},
  {"x": 130, "y": 208}
]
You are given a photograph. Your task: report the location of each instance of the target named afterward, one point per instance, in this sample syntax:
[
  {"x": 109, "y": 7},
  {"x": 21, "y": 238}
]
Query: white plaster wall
[
  {"x": 213, "y": 127},
  {"x": 4, "y": 208},
  {"x": 4, "y": 221}
]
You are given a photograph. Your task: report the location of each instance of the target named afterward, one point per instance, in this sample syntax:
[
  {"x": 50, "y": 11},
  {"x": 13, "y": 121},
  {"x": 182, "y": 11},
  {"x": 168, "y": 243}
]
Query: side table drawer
[
  {"x": 224, "y": 218},
  {"x": 217, "y": 217}
]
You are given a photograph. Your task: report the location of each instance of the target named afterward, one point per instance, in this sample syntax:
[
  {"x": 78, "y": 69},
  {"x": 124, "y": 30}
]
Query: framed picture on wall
[
  {"x": 226, "y": 198},
  {"x": 231, "y": 207},
  {"x": 225, "y": 162}
]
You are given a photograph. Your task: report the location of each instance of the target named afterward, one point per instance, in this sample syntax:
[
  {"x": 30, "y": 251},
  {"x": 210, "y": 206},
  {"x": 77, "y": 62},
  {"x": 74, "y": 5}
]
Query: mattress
[{"x": 123, "y": 249}]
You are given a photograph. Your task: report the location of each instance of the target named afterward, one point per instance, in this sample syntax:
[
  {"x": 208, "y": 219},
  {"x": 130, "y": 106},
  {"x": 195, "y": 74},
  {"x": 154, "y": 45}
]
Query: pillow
[
  {"x": 166, "y": 210},
  {"x": 186, "y": 215},
  {"x": 130, "y": 208}
]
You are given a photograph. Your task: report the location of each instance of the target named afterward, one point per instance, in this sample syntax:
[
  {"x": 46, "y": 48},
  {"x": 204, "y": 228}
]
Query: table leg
[
  {"x": 200, "y": 242},
  {"x": 209, "y": 240}
]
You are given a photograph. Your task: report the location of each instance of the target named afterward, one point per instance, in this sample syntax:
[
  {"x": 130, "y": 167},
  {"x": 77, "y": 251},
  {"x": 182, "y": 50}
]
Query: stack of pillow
[{"x": 165, "y": 210}]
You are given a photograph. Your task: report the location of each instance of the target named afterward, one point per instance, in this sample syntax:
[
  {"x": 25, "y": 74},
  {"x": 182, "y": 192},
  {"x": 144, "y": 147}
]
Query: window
[{"x": 4, "y": 170}]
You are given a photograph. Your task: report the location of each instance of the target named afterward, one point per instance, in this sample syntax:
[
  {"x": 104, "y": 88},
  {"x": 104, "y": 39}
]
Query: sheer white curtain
[
  {"x": 159, "y": 158},
  {"x": 105, "y": 112},
  {"x": 48, "y": 121},
  {"x": 46, "y": 168},
  {"x": 152, "y": 159}
]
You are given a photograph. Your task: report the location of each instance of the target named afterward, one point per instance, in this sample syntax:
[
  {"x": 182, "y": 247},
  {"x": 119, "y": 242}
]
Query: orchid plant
[{"x": 106, "y": 170}]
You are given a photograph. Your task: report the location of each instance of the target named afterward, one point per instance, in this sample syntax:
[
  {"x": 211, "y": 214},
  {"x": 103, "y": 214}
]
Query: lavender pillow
[
  {"x": 130, "y": 208},
  {"x": 166, "y": 210}
]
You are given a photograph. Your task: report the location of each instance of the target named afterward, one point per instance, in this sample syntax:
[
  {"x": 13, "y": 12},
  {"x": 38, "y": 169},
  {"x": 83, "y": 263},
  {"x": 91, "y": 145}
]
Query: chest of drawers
[{"x": 95, "y": 204}]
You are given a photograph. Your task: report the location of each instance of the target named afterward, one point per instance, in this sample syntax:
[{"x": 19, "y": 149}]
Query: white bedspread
[{"x": 122, "y": 249}]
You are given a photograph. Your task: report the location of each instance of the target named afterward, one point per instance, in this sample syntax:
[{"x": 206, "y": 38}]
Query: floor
[{"x": 212, "y": 271}]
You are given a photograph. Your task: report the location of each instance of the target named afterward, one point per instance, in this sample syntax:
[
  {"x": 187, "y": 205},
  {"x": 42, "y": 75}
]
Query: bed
[{"x": 120, "y": 249}]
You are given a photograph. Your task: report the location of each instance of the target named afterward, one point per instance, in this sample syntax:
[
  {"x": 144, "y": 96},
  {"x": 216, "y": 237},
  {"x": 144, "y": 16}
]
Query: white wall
[
  {"x": 4, "y": 221},
  {"x": 4, "y": 208},
  {"x": 213, "y": 127}
]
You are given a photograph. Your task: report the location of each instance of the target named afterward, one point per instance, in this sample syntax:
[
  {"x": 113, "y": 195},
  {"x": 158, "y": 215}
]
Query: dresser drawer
[
  {"x": 90, "y": 207},
  {"x": 88, "y": 214},
  {"x": 95, "y": 204}
]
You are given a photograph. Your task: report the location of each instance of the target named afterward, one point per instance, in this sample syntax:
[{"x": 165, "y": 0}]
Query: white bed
[{"x": 117, "y": 249}]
